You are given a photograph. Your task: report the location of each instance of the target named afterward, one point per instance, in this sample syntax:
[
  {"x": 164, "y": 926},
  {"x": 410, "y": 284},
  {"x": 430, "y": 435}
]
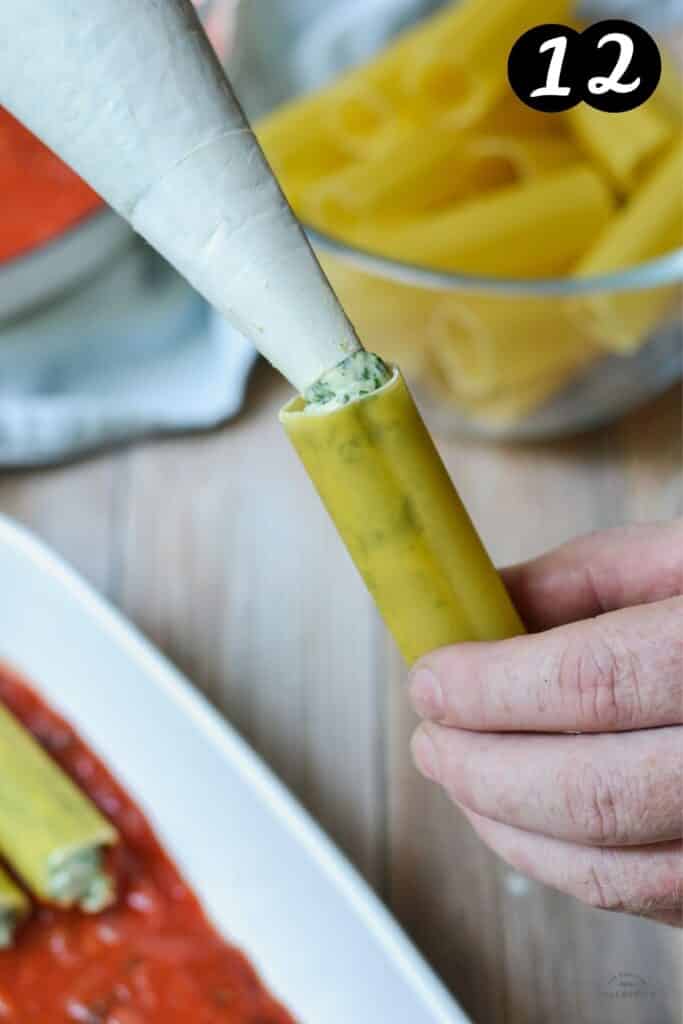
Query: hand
[{"x": 563, "y": 748}]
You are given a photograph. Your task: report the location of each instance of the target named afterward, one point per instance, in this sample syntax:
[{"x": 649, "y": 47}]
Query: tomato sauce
[
  {"x": 40, "y": 197},
  {"x": 151, "y": 959}
]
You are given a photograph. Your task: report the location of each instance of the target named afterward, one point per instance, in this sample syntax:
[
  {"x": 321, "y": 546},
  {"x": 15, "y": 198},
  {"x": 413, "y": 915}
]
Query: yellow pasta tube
[
  {"x": 303, "y": 153},
  {"x": 50, "y": 833},
  {"x": 525, "y": 156},
  {"x": 463, "y": 70},
  {"x": 650, "y": 225},
  {"x": 345, "y": 119},
  {"x": 513, "y": 405},
  {"x": 622, "y": 145},
  {"x": 512, "y": 117},
  {"x": 483, "y": 347},
  {"x": 388, "y": 492},
  {"x": 415, "y": 171},
  {"x": 358, "y": 117},
  {"x": 14, "y": 907},
  {"x": 424, "y": 168},
  {"x": 506, "y": 232}
]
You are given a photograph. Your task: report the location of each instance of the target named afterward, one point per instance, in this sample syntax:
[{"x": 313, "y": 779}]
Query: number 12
[{"x": 599, "y": 85}]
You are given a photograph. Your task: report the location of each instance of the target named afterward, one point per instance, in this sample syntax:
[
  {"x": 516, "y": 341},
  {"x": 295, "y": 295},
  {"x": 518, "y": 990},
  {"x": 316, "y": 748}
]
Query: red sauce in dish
[
  {"x": 39, "y": 196},
  {"x": 153, "y": 958}
]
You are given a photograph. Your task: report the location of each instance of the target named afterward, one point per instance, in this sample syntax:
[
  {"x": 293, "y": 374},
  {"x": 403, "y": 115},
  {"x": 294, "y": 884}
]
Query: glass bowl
[{"x": 434, "y": 325}]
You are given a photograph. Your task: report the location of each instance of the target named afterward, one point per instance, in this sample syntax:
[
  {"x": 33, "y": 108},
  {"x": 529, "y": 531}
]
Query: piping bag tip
[{"x": 389, "y": 494}]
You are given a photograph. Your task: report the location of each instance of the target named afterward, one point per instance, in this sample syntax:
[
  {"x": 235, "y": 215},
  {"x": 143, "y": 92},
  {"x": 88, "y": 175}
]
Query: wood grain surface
[{"x": 217, "y": 547}]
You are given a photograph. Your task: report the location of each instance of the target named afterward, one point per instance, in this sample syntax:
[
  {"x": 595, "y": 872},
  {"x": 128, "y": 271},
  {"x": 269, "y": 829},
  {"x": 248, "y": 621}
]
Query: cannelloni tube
[
  {"x": 622, "y": 146},
  {"x": 50, "y": 833},
  {"x": 506, "y": 231},
  {"x": 462, "y": 68},
  {"x": 419, "y": 169},
  {"x": 649, "y": 225},
  {"x": 14, "y": 907},
  {"x": 482, "y": 349},
  {"x": 390, "y": 496}
]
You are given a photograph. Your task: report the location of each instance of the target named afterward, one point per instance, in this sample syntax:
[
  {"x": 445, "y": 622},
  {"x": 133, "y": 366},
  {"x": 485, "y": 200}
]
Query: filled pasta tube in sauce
[
  {"x": 378, "y": 473},
  {"x": 14, "y": 907},
  {"x": 51, "y": 834}
]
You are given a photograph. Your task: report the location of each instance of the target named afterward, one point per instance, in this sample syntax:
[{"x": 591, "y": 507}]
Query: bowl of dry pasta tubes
[{"x": 523, "y": 268}]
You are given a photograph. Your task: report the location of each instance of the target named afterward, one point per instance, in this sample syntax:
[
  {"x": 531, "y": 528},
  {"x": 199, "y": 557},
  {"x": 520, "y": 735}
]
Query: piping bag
[{"x": 132, "y": 96}]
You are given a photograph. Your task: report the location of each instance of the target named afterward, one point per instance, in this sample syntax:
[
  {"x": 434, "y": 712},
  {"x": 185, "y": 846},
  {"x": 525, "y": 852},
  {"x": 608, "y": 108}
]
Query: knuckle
[
  {"x": 605, "y": 885},
  {"x": 664, "y": 892},
  {"x": 594, "y": 807},
  {"x": 598, "y": 890},
  {"x": 675, "y": 637},
  {"x": 604, "y": 678},
  {"x": 666, "y": 896}
]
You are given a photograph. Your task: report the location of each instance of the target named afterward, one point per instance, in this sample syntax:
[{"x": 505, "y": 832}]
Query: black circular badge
[
  {"x": 546, "y": 70},
  {"x": 622, "y": 66}
]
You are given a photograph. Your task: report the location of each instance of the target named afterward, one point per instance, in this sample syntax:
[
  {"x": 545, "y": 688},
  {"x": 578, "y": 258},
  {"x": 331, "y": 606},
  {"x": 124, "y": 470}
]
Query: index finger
[
  {"x": 621, "y": 671},
  {"x": 599, "y": 573}
]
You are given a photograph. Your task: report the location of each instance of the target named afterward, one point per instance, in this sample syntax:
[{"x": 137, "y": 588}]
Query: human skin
[{"x": 563, "y": 748}]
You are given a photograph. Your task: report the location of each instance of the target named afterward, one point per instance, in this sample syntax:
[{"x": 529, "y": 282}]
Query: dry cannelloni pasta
[
  {"x": 414, "y": 172},
  {"x": 648, "y": 225},
  {"x": 461, "y": 69},
  {"x": 500, "y": 234},
  {"x": 624, "y": 146}
]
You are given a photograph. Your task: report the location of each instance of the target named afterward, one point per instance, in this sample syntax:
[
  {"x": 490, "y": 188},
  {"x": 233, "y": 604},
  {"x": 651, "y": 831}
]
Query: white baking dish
[{"x": 270, "y": 879}]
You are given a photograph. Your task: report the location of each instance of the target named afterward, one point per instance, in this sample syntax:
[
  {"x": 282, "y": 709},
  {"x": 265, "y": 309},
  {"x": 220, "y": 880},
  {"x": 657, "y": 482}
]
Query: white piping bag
[{"x": 131, "y": 95}]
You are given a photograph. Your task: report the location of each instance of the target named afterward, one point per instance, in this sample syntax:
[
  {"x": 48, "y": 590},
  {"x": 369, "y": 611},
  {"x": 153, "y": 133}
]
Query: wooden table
[{"x": 218, "y": 549}]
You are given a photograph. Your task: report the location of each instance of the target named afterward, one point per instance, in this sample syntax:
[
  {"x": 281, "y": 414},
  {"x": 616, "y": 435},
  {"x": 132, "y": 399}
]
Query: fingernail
[
  {"x": 426, "y": 694},
  {"x": 424, "y": 754}
]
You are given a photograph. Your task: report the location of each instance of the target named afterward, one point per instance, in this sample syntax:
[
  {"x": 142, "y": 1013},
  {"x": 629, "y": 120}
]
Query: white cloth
[{"x": 136, "y": 352}]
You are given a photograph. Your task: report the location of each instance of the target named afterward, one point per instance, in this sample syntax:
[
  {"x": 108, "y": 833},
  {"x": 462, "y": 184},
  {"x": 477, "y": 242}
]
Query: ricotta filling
[
  {"x": 357, "y": 376},
  {"x": 80, "y": 879}
]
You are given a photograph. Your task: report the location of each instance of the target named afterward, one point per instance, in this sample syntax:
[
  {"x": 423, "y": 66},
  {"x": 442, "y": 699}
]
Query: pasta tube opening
[
  {"x": 359, "y": 375},
  {"x": 79, "y": 879}
]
